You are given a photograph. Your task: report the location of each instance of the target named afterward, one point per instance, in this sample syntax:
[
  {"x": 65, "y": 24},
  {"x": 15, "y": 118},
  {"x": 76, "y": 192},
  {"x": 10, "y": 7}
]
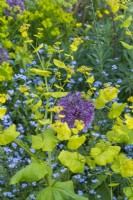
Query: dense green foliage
[{"x": 53, "y": 146}]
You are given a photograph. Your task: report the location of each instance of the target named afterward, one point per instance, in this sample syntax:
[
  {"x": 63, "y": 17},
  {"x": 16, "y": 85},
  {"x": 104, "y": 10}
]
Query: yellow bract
[
  {"x": 79, "y": 124},
  {"x": 114, "y": 5},
  {"x": 123, "y": 165},
  {"x": 76, "y": 141},
  {"x": 75, "y": 44},
  {"x": 129, "y": 121},
  {"x": 105, "y": 95},
  {"x": 2, "y": 112},
  {"x": 62, "y": 130},
  {"x": 3, "y": 98},
  {"x": 90, "y": 79}
]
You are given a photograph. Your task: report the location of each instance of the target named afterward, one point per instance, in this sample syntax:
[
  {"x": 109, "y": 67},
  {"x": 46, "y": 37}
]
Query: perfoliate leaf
[
  {"x": 31, "y": 173},
  {"x": 121, "y": 134},
  {"x": 116, "y": 110},
  {"x": 103, "y": 154},
  {"x": 123, "y": 165},
  {"x": 73, "y": 160},
  {"x": 128, "y": 191},
  {"x": 8, "y": 135},
  {"x": 127, "y": 46},
  {"x": 40, "y": 72},
  {"x": 119, "y": 17},
  {"x": 109, "y": 93},
  {"x": 90, "y": 162},
  {"x": 37, "y": 142},
  {"x": 100, "y": 102},
  {"x": 75, "y": 141},
  {"x": 50, "y": 140},
  {"x": 59, "y": 63},
  {"x": 127, "y": 23},
  {"x": 36, "y": 106},
  {"x": 55, "y": 94},
  {"x": 117, "y": 136},
  {"x": 2, "y": 112},
  {"x": 105, "y": 95},
  {"x": 129, "y": 121},
  {"x": 59, "y": 191},
  {"x": 90, "y": 79},
  {"x": 62, "y": 129},
  {"x": 46, "y": 143}
]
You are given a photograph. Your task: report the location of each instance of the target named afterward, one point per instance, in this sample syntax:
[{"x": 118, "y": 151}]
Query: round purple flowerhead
[
  {"x": 76, "y": 108},
  {"x": 3, "y": 55}
]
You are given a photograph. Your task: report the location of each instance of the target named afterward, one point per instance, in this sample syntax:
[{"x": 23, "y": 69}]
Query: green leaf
[
  {"x": 59, "y": 63},
  {"x": 59, "y": 191},
  {"x": 75, "y": 141},
  {"x": 119, "y": 17},
  {"x": 120, "y": 134},
  {"x": 127, "y": 23},
  {"x": 36, "y": 106},
  {"x": 2, "y": 112},
  {"x": 50, "y": 140},
  {"x": 47, "y": 143},
  {"x": 8, "y": 135},
  {"x": 40, "y": 72},
  {"x": 37, "y": 142},
  {"x": 31, "y": 173},
  {"x": 38, "y": 48},
  {"x": 127, "y": 46},
  {"x": 130, "y": 135},
  {"x": 128, "y": 191},
  {"x": 73, "y": 160},
  {"x": 62, "y": 129},
  {"x": 117, "y": 136},
  {"x": 55, "y": 94},
  {"x": 90, "y": 162},
  {"x": 100, "y": 102},
  {"x": 44, "y": 121},
  {"x": 116, "y": 110},
  {"x": 113, "y": 184},
  {"x": 104, "y": 155},
  {"x": 123, "y": 165}
]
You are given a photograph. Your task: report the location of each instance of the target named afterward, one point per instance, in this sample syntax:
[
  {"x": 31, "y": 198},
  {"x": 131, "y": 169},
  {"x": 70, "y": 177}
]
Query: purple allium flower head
[
  {"x": 12, "y": 4},
  {"x": 3, "y": 55},
  {"x": 76, "y": 108}
]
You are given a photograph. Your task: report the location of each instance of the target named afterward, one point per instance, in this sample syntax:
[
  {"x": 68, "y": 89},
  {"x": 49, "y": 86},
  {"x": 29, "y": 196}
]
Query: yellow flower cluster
[
  {"x": 114, "y": 5},
  {"x": 129, "y": 121},
  {"x": 24, "y": 89},
  {"x": 7, "y": 72},
  {"x": 79, "y": 125},
  {"x": 76, "y": 42},
  {"x": 23, "y": 30},
  {"x": 49, "y": 17},
  {"x": 3, "y": 27},
  {"x": 62, "y": 130},
  {"x": 123, "y": 165},
  {"x": 84, "y": 70},
  {"x": 3, "y": 98}
]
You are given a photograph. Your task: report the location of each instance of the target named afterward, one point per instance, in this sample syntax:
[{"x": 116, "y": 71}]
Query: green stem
[
  {"x": 111, "y": 194},
  {"x": 27, "y": 151}
]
